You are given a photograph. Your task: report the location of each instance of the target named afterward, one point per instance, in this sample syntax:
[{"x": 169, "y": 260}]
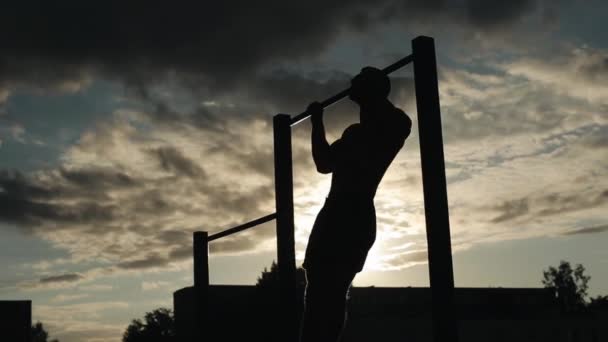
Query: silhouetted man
[{"x": 345, "y": 228}]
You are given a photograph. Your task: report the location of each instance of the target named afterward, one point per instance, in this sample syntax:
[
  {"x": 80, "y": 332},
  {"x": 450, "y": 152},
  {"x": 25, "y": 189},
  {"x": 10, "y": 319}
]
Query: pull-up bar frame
[{"x": 435, "y": 203}]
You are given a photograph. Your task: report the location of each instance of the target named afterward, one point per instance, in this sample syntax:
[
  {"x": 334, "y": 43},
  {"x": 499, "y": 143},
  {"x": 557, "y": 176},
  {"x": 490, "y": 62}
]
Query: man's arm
[{"x": 321, "y": 151}]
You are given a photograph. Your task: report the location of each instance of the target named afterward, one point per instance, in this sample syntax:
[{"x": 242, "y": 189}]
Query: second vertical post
[
  {"x": 201, "y": 285},
  {"x": 283, "y": 182},
  {"x": 434, "y": 186}
]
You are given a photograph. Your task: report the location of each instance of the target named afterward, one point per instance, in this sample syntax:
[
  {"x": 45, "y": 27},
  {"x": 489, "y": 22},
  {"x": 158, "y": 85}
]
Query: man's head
[{"x": 371, "y": 85}]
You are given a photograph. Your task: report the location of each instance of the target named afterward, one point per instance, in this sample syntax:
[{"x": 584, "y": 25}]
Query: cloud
[
  {"x": 62, "y": 278},
  {"x": 97, "y": 179},
  {"x": 80, "y": 321},
  {"x": 130, "y": 192},
  {"x": 61, "y": 298},
  {"x": 561, "y": 203},
  {"x": 496, "y": 14},
  {"x": 153, "y": 285},
  {"x": 96, "y": 287},
  {"x": 511, "y": 209},
  {"x": 181, "y": 253},
  {"x": 597, "y": 138},
  {"x": 548, "y": 204},
  {"x": 549, "y": 212},
  {"x": 140, "y": 182},
  {"x": 4, "y": 94},
  {"x": 174, "y": 237},
  {"x": 172, "y": 160},
  {"x": 399, "y": 261},
  {"x": 150, "y": 261},
  {"x": 212, "y": 44},
  {"x": 588, "y": 230},
  {"x": 578, "y": 71},
  {"x": 524, "y": 145},
  {"x": 130, "y": 198}
]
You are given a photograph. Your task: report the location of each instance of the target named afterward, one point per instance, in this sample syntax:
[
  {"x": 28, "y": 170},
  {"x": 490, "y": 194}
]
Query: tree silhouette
[
  {"x": 39, "y": 334},
  {"x": 158, "y": 326},
  {"x": 598, "y": 304},
  {"x": 269, "y": 306},
  {"x": 570, "y": 285},
  {"x": 269, "y": 279}
]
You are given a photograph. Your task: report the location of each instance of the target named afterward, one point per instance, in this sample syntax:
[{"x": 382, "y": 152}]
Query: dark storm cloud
[
  {"x": 97, "y": 178},
  {"x": 161, "y": 111},
  {"x": 16, "y": 209},
  {"x": 174, "y": 237},
  {"x": 70, "y": 183},
  {"x": 62, "y": 278},
  {"x": 24, "y": 200},
  {"x": 215, "y": 42},
  {"x": 483, "y": 13},
  {"x": 28, "y": 199},
  {"x": 172, "y": 160},
  {"x": 181, "y": 253},
  {"x": 150, "y": 261},
  {"x": 511, "y": 209},
  {"x": 158, "y": 211},
  {"x": 16, "y": 184},
  {"x": 597, "y": 138},
  {"x": 152, "y": 201},
  {"x": 292, "y": 92},
  {"x": 468, "y": 115},
  {"x": 595, "y": 68},
  {"x": 561, "y": 203},
  {"x": 549, "y": 204},
  {"x": 588, "y": 230}
]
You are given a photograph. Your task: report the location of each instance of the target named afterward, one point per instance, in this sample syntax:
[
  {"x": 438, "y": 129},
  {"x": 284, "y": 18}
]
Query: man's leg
[{"x": 325, "y": 304}]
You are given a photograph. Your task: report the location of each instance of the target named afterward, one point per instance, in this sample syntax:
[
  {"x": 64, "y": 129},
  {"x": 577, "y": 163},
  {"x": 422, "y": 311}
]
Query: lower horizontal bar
[{"x": 242, "y": 227}]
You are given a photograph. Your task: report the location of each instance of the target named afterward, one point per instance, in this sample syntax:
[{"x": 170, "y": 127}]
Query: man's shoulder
[
  {"x": 400, "y": 122},
  {"x": 402, "y": 117},
  {"x": 352, "y": 129}
]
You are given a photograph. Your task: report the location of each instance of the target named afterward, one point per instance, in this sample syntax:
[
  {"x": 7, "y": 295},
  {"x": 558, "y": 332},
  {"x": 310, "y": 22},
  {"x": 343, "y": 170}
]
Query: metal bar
[
  {"x": 242, "y": 227},
  {"x": 344, "y": 93},
  {"x": 441, "y": 272},
  {"x": 201, "y": 284},
  {"x": 201, "y": 259},
  {"x": 286, "y": 256}
]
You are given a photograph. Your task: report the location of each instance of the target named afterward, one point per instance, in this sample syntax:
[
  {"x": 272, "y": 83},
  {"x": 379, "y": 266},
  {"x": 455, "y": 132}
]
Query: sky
[{"x": 126, "y": 127}]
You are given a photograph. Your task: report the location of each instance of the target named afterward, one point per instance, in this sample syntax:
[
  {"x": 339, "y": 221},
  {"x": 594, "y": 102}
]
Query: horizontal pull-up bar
[
  {"x": 344, "y": 93},
  {"x": 242, "y": 227}
]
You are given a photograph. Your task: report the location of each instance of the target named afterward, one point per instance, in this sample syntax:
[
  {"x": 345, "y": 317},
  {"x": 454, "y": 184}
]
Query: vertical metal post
[
  {"x": 283, "y": 182},
  {"x": 201, "y": 284},
  {"x": 435, "y": 190},
  {"x": 201, "y": 259}
]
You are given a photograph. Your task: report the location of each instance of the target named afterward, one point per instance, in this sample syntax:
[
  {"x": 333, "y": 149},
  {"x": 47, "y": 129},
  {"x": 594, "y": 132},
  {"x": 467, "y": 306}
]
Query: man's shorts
[{"x": 342, "y": 235}]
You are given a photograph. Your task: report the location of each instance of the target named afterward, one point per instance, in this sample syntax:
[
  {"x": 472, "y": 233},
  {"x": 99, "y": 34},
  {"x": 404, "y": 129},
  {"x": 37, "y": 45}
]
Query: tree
[
  {"x": 598, "y": 304},
  {"x": 158, "y": 326},
  {"x": 269, "y": 303},
  {"x": 570, "y": 285},
  {"x": 39, "y": 334},
  {"x": 270, "y": 279}
]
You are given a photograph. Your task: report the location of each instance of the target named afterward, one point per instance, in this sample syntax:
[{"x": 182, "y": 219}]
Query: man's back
[{"x": 364, "y": 152}]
